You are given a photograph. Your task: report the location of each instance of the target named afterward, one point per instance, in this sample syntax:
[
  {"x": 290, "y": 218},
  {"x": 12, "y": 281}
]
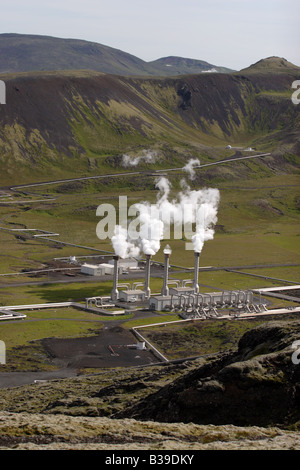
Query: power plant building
[
  {"x": 128, "y": 263},
  {"x": 135, "y": 295},
  {"x": 160, "y": 302},
  {"x": 181, "y": 290},
  {"x": 185, "y": 299},
  {"x": 94, "y": 269},
  {"x": 102, "y": 269}
]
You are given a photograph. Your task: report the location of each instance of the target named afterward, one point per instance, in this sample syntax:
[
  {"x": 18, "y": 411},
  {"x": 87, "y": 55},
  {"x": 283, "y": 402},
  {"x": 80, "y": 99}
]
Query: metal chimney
[
  {"x": 147, "y": 277},
  {"x": 115, "y": 292},
  {"x": 167, "y": 252},
  {"x": 196, "y": 272}
]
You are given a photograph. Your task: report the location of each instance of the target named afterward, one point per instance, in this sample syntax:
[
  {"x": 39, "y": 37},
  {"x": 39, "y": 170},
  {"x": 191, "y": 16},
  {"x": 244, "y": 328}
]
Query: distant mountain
[
  {"x": 272, "y": 64},
  {"x": 178, "y": 65},
  {"x": 27, "y": 53}
]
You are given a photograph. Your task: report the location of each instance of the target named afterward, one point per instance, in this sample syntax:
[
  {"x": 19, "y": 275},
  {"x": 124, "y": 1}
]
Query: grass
[
  {"x": 24, "y": 350},
  {"x": 22, "y": 339},
  {"x": 151, "y": 320},
  {"x": 258, "y": 224},
  {"x": 246, "y": 234},
  {"x": 19, "y": 335},
  {"x": 204, "y": 337}
]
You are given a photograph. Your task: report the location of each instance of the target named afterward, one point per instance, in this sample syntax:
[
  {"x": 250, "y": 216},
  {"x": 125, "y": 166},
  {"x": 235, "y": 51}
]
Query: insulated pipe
[
  {"x": 197, "y": 297},
  {"x": 185, "y": 301},
  {"x": 173, "y": 304},
  {"x": 224, "y": 299},
  {"x": 136, "y": 284},
  {"x": 125, "y": 284},
  {"x": 196, "y": 272},
  {"x": 115, "y": 292},
  {"x": 184, "y": 298},
  {"x": 175, "y": 281},
  {"x": 210, "y": 300},
  {"x": 147, "y": 278},
  {"x": 243, "y": 296},
  {"x": 191, "y": 298},
  {"x": 236, "y": 297}
]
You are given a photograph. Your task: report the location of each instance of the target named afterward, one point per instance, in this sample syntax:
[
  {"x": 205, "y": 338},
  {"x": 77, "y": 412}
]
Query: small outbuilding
[
  {"x": 92, "y": 269},
  {"x": 160, "y": 302},
  {"x": 135, "y": 295},
  {"x": 126, "y": 263},
  {"x": 181, "y": 290}
]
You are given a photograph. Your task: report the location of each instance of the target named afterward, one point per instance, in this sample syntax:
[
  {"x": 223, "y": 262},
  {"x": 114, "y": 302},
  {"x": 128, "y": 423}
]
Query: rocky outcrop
[{"x": 258, "y": 385}]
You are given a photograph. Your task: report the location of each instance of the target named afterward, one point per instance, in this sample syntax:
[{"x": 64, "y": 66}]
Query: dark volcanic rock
[{"x": 257, "y": 385}]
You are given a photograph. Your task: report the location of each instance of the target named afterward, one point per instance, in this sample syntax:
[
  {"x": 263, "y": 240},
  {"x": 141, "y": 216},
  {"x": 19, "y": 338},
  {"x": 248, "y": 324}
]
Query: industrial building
[
  {"x": 127, "y": 263},
  {"x": 183, "y": 298},
  {"x": 132, "y": 295},
  {"x": 108, "y": 268},
  {"x": 96, "y": 269}
]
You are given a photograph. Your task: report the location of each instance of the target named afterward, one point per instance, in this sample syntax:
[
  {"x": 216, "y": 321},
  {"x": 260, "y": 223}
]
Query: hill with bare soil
[{"x": 54, "y": 123}]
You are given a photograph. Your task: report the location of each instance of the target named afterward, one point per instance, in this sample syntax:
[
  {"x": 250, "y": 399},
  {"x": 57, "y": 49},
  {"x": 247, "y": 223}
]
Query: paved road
[
  {"x": 138, "y": 275},
  {"x": 15, "y": 379}
]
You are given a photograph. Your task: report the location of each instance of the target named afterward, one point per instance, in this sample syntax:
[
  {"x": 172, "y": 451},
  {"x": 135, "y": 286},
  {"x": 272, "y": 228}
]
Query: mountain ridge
[
  {"x": 273, "y": 63},
  {"x": 52, "y": 120},
  {"x": 23, "y": 53}
]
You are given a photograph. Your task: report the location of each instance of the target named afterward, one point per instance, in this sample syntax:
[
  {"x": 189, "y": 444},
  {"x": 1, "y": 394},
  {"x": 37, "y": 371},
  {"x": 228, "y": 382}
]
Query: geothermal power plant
[{"x": 183, "y": 296}]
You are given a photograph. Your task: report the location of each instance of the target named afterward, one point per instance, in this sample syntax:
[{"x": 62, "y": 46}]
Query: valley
[{"x": 64, "y": 136}]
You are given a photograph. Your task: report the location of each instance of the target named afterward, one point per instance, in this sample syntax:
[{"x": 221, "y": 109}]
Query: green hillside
[{"x": 58, "y": 124}]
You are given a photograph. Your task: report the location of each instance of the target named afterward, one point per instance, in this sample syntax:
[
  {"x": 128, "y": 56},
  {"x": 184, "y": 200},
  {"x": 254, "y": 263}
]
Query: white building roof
[{"x": 92, "y": 266}]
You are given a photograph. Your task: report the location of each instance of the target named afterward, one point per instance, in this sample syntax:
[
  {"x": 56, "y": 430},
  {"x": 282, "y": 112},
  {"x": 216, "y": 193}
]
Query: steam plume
[
  {"x": 148, "y": 156},
  {"x": 189, "y": 167},
  {"x": 123, "y": 247},
  {"x": 190, "y": 208}
]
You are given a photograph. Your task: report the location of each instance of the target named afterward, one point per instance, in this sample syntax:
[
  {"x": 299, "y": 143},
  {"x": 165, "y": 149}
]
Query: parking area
[{"x": 112, "y": 347}]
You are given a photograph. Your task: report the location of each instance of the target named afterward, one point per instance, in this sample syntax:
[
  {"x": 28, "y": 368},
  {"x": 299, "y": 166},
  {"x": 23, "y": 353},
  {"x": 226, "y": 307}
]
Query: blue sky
[{"x": 232, "y": 33}]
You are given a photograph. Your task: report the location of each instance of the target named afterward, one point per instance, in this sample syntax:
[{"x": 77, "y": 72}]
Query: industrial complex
[
  {"x": 178, "y": 295},
  {"x": 182, "y": 296}
]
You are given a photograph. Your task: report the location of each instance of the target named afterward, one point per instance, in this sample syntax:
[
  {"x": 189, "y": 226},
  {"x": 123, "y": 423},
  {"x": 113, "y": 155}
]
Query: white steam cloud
[
  {"x": 191, "y": 212},
  {"x": 147, "y": 156},
  {"x": 189, "y": 167},
  {"x": 123, "y": 247}
]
